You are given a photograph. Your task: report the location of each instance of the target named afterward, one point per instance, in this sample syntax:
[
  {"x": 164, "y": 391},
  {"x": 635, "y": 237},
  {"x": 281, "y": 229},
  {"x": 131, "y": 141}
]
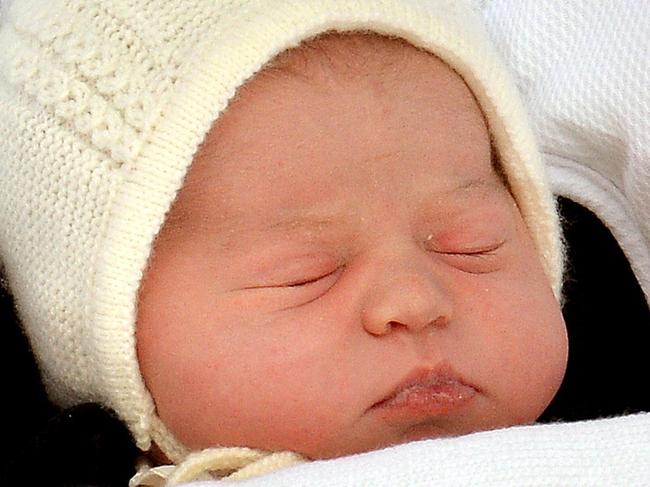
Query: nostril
[{"x": 440, "y": 322}]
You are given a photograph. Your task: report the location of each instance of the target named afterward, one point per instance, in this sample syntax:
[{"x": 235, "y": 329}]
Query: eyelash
[
  {"x": 487, "y": 252},
  {"x": 306, "y": 282},
  {"x": 474, "y": 261},
  {"x": 475, "y": 253}
]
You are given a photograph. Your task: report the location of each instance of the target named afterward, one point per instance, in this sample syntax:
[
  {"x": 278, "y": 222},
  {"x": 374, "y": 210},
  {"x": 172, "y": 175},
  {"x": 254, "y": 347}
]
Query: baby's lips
[{"x": 426, "y": 393}]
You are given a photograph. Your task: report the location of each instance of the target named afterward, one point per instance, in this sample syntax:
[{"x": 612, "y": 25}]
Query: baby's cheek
[
  {"x": 534, "y": 358},
  {"x": 284, "y": 396},
  {"x": 552, "y": 356}
]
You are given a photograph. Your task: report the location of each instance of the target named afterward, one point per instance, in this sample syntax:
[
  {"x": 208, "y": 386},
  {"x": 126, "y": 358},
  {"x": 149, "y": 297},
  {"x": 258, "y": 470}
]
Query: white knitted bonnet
[{"x": 103, "y": 104}]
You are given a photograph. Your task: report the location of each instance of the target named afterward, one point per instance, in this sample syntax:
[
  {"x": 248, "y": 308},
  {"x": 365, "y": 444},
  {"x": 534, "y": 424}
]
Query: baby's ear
[{"x": 86, "y": 445}]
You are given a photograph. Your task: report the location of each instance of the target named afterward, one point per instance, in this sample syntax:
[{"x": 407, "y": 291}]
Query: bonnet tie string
[{"x": 215, "y": 463}]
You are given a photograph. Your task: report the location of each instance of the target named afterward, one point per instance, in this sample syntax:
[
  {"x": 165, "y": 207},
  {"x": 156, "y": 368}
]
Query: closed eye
[
  {"x": 283, "y": 293},
  {"x": 305, "y": 291},
  {"x": 308, "y": 281},
  {"x": 472, "y": 253},
  {"x": 474, "y": 261},
  {"x": 484, "y": 251},
  {"x": 296, "y": 283}
]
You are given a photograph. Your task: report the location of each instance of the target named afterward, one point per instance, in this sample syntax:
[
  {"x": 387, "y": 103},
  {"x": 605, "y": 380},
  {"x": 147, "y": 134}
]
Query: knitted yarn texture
[
  {"x": 103, "y": 104},
  {"x": 611, "y": 452},
  {"x": 584, "y": 73}
]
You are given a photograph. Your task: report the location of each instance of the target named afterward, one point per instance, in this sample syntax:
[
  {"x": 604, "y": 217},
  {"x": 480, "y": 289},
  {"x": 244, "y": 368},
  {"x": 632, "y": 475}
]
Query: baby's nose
[{"x": 408, "y": 297}]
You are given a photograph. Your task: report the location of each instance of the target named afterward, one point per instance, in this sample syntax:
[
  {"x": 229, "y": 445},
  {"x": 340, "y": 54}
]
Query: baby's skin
[{"x": 344, "y": 269}]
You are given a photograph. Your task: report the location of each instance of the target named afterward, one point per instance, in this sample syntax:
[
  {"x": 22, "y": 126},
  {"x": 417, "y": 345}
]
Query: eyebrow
[
  {"x": 299, "y": 225},
  {"x": 465, "y": 185},
  {"x": 480, "y": 182},
  {"x": 468, "y": 186},
  {"x": 302, "y": 222}
]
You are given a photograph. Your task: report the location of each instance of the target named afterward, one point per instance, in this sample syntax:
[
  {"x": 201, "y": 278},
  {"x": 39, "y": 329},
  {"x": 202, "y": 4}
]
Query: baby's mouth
[{"x": 426, "y": 393}]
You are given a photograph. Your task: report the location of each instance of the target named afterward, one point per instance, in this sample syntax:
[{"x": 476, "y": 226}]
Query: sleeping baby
[{"x": 264, "y": 233}]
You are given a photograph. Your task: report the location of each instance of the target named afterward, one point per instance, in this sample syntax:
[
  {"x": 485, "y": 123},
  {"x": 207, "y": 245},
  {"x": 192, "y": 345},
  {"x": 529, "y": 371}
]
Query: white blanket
[
  {"x": 612, "y": 452},
  {"x": 584, "y": 70}
]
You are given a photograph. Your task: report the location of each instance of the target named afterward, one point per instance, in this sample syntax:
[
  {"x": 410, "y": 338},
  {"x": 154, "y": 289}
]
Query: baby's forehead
[
  {"x": 352, "y": 65},
  {"x": 351, "y": 55},
  {"x": 358, "y": 60},
  {"x": 319, "y": 112}
]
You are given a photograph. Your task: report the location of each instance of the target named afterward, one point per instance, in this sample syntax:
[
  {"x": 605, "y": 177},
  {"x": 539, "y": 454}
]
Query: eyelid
[
  {"x": 477, "y": 260},
  {"x": 488, "y": 250},
  {"x": 307, "y": 281},
  {"x": 294, "y": 273},
  {"x": 473, "y": 251}
]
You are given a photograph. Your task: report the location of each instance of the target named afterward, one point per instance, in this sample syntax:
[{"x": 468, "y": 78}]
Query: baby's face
[{"x": 344, "y": 270}]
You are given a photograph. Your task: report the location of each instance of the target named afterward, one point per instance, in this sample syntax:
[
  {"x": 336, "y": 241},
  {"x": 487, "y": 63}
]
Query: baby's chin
[
  {"x": 431, "y": 429},
  {"x": 420, "y": 432},
  {"x": 330, "y": 452},
  {"x": 342, "y": 445}
]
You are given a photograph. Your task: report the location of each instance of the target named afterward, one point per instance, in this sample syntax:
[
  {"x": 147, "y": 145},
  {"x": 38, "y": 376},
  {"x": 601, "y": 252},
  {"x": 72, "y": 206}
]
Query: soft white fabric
[
  {"x": 4, "y": 5},
  {"x": 584, "y": 71},
  {"x": 610, "y": 452}
]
